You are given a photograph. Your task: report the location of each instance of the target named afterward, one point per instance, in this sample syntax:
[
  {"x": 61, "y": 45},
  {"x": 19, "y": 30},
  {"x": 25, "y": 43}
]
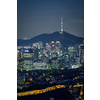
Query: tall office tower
[
  {"x": 40, "y": 44},
  {"x": 18, "y": 59},
  {"x": 58, "y": 48},
  {"x": 61, "y": 25},
  {"x": 35, "y": 54},
  {"x": 28, "y": 62},
  {"x": 35, "y": 45},
  {"x": 47, "y": 45},
  {"x": 53, "y": 55},
  {"x": 77, "y": 60},
  {"x": 54, "y": 63},
  {"x": 61, "y": 63},
  {"x": 77, "y": 49},
  {"x": 52, "y": 45},
  {"x": 40, "y": 52},
  {"x": 65, "y": 50},
  {"x": 18, "y": 56},
  {"x": 81, "y": 52},
  {"x": 57, "y": 44}
]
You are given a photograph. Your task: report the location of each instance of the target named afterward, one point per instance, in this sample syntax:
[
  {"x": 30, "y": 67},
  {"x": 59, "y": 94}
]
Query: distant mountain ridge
[{"x": 65, "y": 39}]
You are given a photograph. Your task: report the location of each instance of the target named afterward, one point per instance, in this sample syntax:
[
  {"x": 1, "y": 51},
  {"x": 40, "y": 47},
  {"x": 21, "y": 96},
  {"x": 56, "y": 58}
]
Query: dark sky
[{"x": 35, "y": 17}]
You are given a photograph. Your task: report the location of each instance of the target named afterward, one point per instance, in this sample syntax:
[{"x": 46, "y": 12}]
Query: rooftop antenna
[{"x": 48, "y": 31}]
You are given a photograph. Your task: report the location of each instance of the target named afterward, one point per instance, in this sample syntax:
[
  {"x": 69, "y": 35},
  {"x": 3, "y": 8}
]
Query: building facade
[{"x": 28, "y": 61}]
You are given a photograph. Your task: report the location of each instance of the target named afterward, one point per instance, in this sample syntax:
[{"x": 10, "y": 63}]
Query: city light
[{"x": 50, "y": 50}]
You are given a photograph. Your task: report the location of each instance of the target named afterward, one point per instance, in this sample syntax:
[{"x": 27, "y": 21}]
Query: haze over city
[{"x": 35, "y": 17}]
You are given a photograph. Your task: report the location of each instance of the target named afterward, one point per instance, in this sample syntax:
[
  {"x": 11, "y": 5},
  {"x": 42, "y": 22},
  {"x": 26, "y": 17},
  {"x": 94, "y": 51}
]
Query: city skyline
[
  {"x": 37, "y": 17},
  {"x": 50, "y": 49}
]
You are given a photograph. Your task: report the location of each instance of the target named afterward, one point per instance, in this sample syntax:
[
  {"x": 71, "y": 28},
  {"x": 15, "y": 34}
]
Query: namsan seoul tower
[{"x": 61, "y": 25}]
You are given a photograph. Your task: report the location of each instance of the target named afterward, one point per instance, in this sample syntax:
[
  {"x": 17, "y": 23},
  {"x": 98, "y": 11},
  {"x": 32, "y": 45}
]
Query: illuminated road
[{"x": 35, "y": 92}]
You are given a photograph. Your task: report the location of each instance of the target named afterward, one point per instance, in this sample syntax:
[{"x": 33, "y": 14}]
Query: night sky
[{"x": 35, "y": 17}]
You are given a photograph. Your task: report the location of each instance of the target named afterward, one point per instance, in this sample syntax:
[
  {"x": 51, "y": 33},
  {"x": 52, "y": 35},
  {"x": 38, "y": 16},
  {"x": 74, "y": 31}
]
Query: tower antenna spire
[{"x": 61, "y": 25}]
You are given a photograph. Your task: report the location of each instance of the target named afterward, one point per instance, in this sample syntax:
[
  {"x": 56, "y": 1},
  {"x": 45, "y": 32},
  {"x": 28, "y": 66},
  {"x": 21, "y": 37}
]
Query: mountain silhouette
[{"x": 65, "y": 39}]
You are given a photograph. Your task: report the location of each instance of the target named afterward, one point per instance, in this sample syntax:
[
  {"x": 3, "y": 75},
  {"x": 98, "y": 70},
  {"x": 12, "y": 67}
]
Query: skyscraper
[
  {"x": 65, "y": 50},
  {"x": 36, "y": 54},
  {"x": 28, "y": 62},
  {"x": 18, "y": 59},
  {"x": 81, "y": 52}
]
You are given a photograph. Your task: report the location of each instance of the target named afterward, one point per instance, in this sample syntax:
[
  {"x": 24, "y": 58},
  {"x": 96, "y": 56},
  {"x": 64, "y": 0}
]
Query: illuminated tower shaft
[{"x": 61, "y": 24}]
